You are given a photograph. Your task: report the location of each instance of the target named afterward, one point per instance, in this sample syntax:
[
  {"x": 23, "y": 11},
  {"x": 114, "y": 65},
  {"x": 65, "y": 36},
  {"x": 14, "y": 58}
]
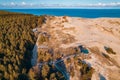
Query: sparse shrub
[
  {"x": 43, "y": 39},
  {"x": 68, "y": 60},
  {"x": 72, "y": 72},
  {"x": 106, "y": 56},
  {"x": 109, "y": 50},
  {"x": 86, "y": 72},
  {"x": 45, "y": 70}
]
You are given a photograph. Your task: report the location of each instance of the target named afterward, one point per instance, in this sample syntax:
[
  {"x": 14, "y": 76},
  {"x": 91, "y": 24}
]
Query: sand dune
[{"x": 94, "y": 34}]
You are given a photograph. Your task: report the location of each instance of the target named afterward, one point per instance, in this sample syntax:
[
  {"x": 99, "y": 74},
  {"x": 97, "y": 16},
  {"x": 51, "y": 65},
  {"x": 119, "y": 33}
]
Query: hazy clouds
[{"x": 30, "y": 5}]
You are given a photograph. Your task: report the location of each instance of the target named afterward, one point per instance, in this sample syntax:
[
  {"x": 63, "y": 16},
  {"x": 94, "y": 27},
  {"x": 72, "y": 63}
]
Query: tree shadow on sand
[{"x": 60, "y": 65}]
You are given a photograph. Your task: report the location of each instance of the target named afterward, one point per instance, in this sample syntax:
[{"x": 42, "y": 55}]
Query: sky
[{"x": 10, "y": 4}]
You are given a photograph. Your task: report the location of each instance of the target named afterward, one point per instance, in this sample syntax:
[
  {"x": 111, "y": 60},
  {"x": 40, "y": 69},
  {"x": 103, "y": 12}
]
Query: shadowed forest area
[{"x": 16, "y": 43}]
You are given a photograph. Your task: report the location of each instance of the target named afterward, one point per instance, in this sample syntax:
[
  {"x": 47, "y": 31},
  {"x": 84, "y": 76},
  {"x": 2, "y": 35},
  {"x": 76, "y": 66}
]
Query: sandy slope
[{"x": 93, "y": 34}]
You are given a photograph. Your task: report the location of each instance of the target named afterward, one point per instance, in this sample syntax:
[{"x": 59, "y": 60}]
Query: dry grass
[{"x": 114, "y": 22}]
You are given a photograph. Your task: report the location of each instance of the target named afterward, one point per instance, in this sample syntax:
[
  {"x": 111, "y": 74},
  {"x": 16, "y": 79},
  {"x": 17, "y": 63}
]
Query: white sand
[{"x": 97, "y": 32}]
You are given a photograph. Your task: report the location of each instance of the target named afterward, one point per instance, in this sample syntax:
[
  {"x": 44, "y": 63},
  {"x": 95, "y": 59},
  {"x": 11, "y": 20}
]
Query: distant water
[{"x": 86, "y": 13}]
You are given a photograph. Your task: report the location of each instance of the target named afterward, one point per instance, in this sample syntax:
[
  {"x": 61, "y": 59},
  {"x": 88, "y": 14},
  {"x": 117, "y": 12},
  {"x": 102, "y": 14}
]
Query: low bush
[{"x": 109, "y": 50}]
